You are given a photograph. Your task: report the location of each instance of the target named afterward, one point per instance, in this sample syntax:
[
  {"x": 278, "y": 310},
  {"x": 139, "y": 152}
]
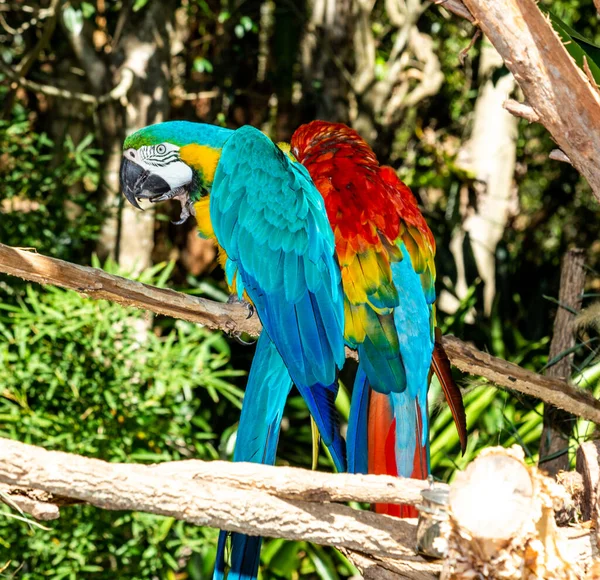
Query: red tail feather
[
  {"x": 441, "y": 367},
  {"x": 382, "y": 451}
]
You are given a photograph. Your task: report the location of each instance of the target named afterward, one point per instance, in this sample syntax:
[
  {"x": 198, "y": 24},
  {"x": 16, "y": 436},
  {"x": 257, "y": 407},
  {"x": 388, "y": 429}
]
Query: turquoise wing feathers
[{"x": 271, "y": 221}]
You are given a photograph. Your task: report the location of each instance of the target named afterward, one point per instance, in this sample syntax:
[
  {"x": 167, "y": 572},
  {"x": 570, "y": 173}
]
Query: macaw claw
[{"x": 237, "y": 336}]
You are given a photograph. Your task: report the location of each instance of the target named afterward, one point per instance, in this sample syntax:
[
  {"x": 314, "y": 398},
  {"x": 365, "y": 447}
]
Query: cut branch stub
[
  {"x": 492, "y": 500},
  {"x": 587, "y": 463}
]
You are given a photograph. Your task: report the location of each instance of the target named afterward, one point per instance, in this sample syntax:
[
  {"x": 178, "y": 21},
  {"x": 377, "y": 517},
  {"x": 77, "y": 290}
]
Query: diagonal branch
[
  {"x": 231, "y": 318},
  {"x": 550, "y": 79}
]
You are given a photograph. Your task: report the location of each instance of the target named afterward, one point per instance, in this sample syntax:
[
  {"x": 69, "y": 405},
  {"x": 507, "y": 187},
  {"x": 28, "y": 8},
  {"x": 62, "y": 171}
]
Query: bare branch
[
  {"x": 506, "y": 374},
  {"x": 117, "y": 93},
  {"x": 521, "y": 110},
  {"x": 211, "y": 502},
  {"x": 178, "y": 92},
  {"x": 98, "y": 284},
  {"x": 550, "y": 79}
]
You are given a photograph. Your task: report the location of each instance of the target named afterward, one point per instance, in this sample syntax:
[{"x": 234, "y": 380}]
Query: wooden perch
[
  {"x": 199, "y": 494},
  {"x": 98, "y": 284},
  {"x": 558, "y": 392},
  {"x": 550, "y": 79},
  {"x": 500, "y": 514}
]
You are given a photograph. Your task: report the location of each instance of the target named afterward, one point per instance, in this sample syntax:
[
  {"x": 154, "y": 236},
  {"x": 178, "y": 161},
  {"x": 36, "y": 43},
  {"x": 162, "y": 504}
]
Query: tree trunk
[
  {"x": 326, "y": 51},
  {"x": 144, "y": 48},
  {"x": 558, "y": 425},
  {"x": 490, "y": 154},
  {"x": 146, "y": 51}
]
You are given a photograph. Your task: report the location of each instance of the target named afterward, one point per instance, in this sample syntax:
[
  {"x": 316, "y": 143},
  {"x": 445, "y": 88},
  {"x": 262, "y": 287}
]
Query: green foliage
[
  {"x": 48, "y": 190},
  {"x": 93, "y": 378}
]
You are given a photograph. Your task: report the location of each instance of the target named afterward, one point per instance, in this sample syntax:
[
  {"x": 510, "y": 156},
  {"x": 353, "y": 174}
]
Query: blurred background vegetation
[{"x": 96, "y": 379}]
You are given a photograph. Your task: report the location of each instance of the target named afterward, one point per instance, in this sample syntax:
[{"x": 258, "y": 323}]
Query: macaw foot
[
  {"x": 233, "y": 299},
  {"x": 237, "y": 336}
]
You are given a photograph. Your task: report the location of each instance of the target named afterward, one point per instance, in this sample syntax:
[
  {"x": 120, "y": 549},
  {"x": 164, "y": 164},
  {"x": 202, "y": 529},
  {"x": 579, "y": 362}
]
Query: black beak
[{"x": 138, "y": 183}]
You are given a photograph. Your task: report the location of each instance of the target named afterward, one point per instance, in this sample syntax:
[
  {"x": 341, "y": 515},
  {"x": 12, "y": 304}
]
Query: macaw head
[{"x": 172, "y": 160}]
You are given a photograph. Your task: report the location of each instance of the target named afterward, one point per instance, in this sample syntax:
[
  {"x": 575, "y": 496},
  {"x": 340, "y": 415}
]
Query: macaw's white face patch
[
  {"x": 162, "y": 160},
  {"x": 157, "y": 173}
]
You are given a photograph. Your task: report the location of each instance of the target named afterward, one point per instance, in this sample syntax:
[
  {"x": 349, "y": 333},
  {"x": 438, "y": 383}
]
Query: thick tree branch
[
  {"x": 98, "y": 284},
  {"x": 550, "y": 79},
  {"x": 210, "y": 500}
]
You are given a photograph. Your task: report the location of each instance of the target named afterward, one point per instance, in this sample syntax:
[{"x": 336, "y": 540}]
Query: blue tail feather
[
  {"x": 358, "y": 422},
  {"x": 268, "y": 386}
]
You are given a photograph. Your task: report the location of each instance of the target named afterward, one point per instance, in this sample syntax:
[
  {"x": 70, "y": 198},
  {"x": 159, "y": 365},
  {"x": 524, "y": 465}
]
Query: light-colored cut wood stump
[
  {"x": 502, "y": 522},
  {"x": 587, "y": 463}
]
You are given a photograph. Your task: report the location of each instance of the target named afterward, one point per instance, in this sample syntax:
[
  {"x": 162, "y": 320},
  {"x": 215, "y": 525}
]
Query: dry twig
[{"x": 117, "y": 93}]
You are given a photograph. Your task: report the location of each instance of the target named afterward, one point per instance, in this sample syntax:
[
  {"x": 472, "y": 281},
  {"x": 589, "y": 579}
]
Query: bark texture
[
  {"x": 558, "y": 425},
  {"x": 170, "y": 491}
]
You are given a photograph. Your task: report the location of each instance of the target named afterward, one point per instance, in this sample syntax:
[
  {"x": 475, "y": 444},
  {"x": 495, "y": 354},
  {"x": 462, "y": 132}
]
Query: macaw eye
[{"x": 161, "y": 149}]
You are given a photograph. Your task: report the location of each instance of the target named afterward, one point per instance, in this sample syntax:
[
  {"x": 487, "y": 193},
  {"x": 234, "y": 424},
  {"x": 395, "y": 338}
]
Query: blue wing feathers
[
  {"x": 320, "y": 400},
  {"x": 293, "y": 220}
]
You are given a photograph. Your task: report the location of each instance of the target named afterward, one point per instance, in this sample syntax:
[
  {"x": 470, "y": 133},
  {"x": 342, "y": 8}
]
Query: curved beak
[{"x": 138, "y": 183}]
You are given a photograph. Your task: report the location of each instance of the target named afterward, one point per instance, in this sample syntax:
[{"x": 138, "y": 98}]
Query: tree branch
[
  {"x": 550, "y": 79},
  {"x": 117, "y": 93},
  {"x": 558, "y": 392},
  {"x": 199, "y": 493},
  {"x": 456, "y": 7},
  {"x": 231, "y": 318}
]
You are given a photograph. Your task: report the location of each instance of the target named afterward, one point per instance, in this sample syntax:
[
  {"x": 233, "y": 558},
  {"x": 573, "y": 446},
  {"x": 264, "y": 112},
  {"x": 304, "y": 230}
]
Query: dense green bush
[
  {"x": 93, "y": 378},
  {"x": 47, "y": 198}
]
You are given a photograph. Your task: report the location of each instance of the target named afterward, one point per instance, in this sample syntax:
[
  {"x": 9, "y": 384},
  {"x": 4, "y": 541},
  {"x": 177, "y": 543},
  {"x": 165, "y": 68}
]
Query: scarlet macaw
[{"x": 386, "y": 254}]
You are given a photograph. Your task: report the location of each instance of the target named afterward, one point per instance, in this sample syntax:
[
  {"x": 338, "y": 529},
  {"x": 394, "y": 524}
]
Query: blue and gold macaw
[{"x": 278, "y": 251}]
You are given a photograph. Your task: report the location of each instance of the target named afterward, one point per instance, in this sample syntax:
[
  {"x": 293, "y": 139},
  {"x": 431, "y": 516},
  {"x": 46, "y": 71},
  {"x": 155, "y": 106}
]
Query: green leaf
[
  {"x": 579, "y": 47},
  {"x": 139, "y": 4}
]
